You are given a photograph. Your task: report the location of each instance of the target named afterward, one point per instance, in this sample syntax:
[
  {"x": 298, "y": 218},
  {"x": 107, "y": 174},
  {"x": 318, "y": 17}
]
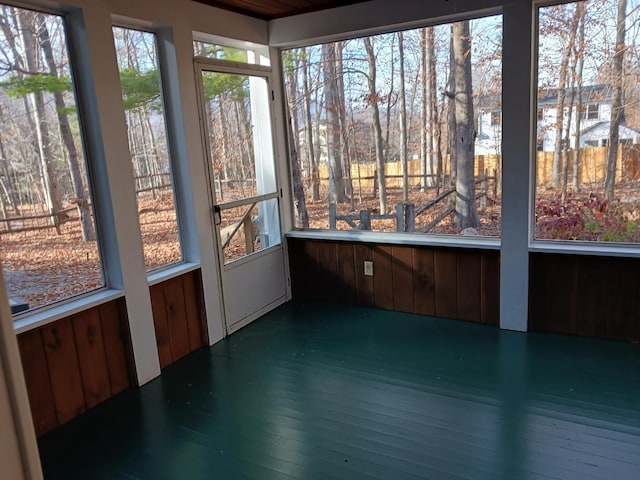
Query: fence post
[
  {"x": 248, "y": 233},
  {"x": 485, "y": 190},
  {"x": 365, "y": 220},
  {"x": 332, "y": 216},
  {"x": 375, "y": 184},
  {"x": 495, "y": 184},
  {"x": 409, "y": 217},
  {"x": 400, "y": 217}
]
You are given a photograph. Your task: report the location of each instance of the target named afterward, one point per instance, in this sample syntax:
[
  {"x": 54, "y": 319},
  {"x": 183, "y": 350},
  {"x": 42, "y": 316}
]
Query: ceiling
[{"x": 270, "y": 9}]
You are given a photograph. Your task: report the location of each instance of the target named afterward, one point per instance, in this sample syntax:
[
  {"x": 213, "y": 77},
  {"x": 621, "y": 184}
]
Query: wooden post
[
  {"x": 375, "y": 184},
  {"x": 247, "y": 225},
  {"x": 400, "y": 217},
  {"x": 410, "y": 217},
  {"x": 484, "y": 190},
  {"x": 365, "y": 220},
  {"x": 332, "y": 216}
]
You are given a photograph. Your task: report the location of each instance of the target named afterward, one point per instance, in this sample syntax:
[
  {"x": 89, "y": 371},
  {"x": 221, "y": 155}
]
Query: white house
[{"x": 594, "y": 114}]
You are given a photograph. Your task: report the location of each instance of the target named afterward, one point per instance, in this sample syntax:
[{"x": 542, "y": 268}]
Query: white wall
[{"x": 18, "y": 448}]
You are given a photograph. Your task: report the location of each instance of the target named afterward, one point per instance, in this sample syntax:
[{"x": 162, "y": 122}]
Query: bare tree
[
  {"x": 292, "y": 64},
  {"x": 403, "y": 122},
  {"x": 617, "y": 109},
  {"x": 313, "y": 159},
  {"x": 556, "y": 175},
  {"x": 466, "y": 213},
  {"x": 373, "y": 99},
  {"x": 332, "y": 105},
  {"x": 73, "y": 159}
]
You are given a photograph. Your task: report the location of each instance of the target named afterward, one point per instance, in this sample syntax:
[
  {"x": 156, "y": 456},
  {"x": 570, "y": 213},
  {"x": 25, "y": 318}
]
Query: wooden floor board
[{"x": 318, "y": 391}]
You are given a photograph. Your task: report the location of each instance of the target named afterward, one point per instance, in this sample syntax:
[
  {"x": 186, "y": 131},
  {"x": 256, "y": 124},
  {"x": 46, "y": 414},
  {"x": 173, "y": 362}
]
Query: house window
[
  {"x": 48, "y": 238},
  {"x": 540, "y": 115},
  {"x": 601, "y": 205},
  {"x": 150, "y": 154},
  {"x": 590, "y": 112},
  {"x": 362, "y": 162}
]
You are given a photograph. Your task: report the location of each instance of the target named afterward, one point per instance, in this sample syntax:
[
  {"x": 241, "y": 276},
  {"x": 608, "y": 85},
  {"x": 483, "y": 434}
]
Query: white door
[{"x": 237, "y": 130}]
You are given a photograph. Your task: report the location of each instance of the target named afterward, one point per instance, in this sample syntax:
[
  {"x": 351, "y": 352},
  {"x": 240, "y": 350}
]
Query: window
[
  {"x": 220, "y": 52},
  {"x": 47, "y": 229},
  {"x": 369, "y": 133},
  {"x": 588, "y": 194},
  {"x": 150, "y": 154},
  {"x": 590, "y": 112},
  {"x": 209, "y": 46},
  {"x": 540, "y": 115}
]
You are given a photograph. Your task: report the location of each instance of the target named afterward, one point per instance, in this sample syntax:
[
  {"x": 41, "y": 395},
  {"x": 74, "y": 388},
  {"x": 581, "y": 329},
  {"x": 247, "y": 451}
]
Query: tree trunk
[
  {"x": 344, "y": 137},
  {"x": 556, "y": 168},
  {"x": 580, "y": 51},
  {"x": 451, "y": 123},
  {"x": 313, "y": 162},
  {"x": 465, "y": 208},
  {"x": 375, "y": 121},
  {"x": 616, "y": 103},
  {"x": 47, "y": 167},
  {"x": 73, "y": 159},
  {"x": 403, "y": 123},
  {"x": 334, "y": 151},
  {"x": 302, "y": 216}
]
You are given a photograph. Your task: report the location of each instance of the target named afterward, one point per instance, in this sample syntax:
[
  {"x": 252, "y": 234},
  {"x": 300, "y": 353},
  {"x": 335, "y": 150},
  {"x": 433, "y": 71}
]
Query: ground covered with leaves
[{"x": 41, "y": 266}]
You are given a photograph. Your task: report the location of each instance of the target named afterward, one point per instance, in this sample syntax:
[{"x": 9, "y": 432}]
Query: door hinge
[{"x": 273, "y": 96}]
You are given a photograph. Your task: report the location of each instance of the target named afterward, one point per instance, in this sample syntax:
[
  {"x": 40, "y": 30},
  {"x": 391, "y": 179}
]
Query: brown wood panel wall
[
  {"x": 178, "y": 316},
  {"x": 76, "y": 363},
  {"x": 448, "y": 282},
  {"x": 585, "y": 295}
]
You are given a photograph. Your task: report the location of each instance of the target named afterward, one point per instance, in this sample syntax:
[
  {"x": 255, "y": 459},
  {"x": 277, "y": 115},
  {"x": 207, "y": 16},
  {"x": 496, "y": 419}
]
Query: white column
[
  {"x": 516, "y": 170},
  {"x": 113, "y": 178},
  {"x": 191, "y": 175}
]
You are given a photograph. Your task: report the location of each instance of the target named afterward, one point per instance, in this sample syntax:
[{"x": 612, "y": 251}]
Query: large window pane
[
  {"x": 399, "y": 132},
  {"x": 588, "y": 152},
  {"x": 48, "y": 236},
  {"x": 142, "y": 93}
]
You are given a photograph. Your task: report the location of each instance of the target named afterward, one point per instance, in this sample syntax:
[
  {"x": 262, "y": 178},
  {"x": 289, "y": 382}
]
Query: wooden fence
[{"x": 591, "y": 167}]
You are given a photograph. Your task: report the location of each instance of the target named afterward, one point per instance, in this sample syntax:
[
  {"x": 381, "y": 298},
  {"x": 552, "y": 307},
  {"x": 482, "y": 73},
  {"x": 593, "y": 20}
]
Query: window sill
[
  {"x": 30, "y": 320},
  {"x": 584, "y": 248},
  {"x": 389, "y": 238},
  {"x": 173, "y": 271}
]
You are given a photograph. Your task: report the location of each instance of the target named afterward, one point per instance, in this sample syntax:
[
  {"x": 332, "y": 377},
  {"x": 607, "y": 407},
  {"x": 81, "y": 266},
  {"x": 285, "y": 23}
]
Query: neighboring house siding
[{"x": 594, "y": 124}]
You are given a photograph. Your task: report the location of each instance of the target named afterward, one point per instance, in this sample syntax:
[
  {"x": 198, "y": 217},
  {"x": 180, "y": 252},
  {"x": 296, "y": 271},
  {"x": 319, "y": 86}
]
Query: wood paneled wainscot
[
  {"x": 585, "y": 295},
  {"x": 447, "y": 282},
  {"x": 74, "y": 364},
  {"x": 178, "y": 315}
]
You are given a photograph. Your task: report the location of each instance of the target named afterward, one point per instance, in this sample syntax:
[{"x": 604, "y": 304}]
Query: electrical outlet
[{"x": 368, "y": 269}]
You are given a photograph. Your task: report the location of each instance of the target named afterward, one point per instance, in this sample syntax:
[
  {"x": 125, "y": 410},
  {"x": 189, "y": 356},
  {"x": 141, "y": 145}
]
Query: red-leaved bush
[{"x": 590, "y": 219}]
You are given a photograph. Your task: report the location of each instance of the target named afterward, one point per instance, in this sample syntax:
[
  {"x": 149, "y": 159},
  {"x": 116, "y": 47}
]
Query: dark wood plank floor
[{"x": 331, "y": 392}]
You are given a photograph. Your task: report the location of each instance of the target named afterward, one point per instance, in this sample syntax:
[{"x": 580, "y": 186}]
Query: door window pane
[
  {"x": 239, "y": 127},
  {"x": 47, "y": 229},
  {"x": 249, "y": 228},
  {"x": 150, "y": 154}
]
